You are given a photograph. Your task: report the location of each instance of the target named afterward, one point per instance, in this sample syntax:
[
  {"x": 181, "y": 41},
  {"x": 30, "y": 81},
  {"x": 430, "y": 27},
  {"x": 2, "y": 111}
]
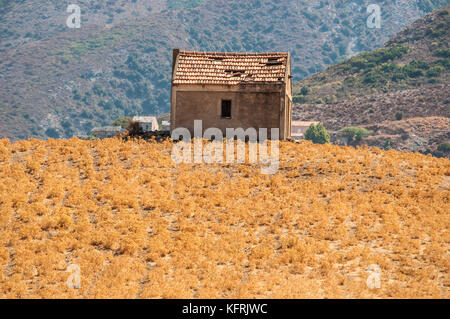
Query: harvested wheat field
[{"x": 140, "y": 226}]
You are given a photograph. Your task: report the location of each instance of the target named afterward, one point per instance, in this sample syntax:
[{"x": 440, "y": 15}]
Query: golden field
[{"x": 140, "y": 226}]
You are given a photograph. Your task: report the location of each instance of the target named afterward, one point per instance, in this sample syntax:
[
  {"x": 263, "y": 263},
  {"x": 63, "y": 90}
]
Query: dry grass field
[{"x": 140, "y": 226}]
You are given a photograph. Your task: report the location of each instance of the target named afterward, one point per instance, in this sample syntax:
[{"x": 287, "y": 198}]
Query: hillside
[
  {"x": 395, "y": 91},
  {"x": 419, "y": 56},
  {"x": 59, "y": 82},
  {"x": 140, "y": 226}
]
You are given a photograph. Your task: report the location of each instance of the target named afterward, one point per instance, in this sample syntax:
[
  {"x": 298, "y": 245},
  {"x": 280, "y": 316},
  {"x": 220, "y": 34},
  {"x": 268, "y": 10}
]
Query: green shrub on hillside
[
  {"x": 444, "y": 53},
  {"x": 123, "y": 121},
  {"x": 376, "y": 68},
  {"x": 388, "y": 145},
  {"x": 420, "y": 65},
  {"x": 435, "y": 71},
  {"x": 444, "y": 147},
  {"x": 317, "y": 134},
  {"x": 299, "y": 99},
  {"x": 52, "y": 132},
  {"x": 99, "y": 90},
  {"x": 355, "y": 133},
  {"x": 304, "y": 90},
  {"x": 372, "y": 78},
  {"x": 76, "y": 94},
  {"x": 445, "y": 63},
  {"x": 412, "y": 71},
  {"x": 398, "y": 76},
  {"x": 391, "y": 71},
  {"x": 371, "y": 59},
  {"x": 184, "y": 4}
]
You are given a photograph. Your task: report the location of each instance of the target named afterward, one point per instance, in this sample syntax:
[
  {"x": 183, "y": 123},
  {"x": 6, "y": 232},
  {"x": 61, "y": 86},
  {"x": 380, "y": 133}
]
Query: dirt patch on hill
[{"x": 416, "y": 119}]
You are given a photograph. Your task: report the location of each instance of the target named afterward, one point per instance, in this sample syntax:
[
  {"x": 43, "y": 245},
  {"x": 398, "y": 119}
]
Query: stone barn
[
  {"x": 299, "y": 129},
  {"x": 231, "y": 90},
  {"x": 147, "y": 123},
  {"x": 106, "y": 131}
]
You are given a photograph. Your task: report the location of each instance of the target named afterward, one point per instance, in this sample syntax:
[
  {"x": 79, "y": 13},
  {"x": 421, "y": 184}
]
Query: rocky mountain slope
[
  {"x": 58, "y": 82},
  {"x": 400, "y": 92}
]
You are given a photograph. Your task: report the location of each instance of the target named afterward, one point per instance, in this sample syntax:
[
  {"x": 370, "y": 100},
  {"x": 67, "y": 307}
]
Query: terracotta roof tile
[{"x": 229, "y": 68}]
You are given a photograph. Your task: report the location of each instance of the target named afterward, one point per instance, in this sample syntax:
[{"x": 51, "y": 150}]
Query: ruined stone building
[
  {"x": 231, "y": 90},
  {"x": 106, "y": 131},
  {"x": 147, "y": 123},
  {"x": 299, "y": 128}
]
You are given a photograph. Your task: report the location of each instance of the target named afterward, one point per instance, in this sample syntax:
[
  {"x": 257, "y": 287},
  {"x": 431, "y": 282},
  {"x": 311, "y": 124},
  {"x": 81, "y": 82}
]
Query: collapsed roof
[{"x": 228, "y": 68}]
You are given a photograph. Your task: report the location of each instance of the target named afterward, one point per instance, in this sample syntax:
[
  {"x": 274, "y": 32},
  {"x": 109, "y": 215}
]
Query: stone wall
[{"x": 257, "y": 106}]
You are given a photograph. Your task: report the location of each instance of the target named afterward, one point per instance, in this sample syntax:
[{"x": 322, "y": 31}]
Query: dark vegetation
[
  {"x": 353, "y": 133},
  {"x": 317, "y": 134}
]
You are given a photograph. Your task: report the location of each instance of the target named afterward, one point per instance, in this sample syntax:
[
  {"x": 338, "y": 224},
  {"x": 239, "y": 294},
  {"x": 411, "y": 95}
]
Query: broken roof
[{"x": 229, "y": 68}]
